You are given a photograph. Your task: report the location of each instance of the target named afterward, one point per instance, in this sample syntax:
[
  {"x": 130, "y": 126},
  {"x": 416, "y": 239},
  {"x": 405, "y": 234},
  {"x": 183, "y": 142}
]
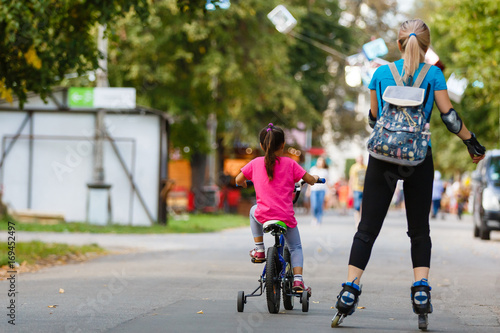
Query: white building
[{"x": 51, "y": 158}]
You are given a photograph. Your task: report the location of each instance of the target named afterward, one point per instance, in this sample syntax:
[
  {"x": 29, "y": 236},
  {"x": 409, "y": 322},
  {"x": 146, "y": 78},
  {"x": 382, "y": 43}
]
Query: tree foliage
[
  {"x": 192, "y": 63},
  {"x": 42, "y": 40},
  {"x": 320, "y": 74},
  {"x": 465, "y": 35}
]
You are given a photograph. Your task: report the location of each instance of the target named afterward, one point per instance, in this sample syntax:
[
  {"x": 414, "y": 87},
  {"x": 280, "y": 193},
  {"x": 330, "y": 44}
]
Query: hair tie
[
  {"x": 412, "y": 34},
  {"x": 269, "y": 127}
]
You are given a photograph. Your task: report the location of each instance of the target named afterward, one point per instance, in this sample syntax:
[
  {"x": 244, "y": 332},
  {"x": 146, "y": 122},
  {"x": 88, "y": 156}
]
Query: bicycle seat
[{"x": 275, "y": 227}]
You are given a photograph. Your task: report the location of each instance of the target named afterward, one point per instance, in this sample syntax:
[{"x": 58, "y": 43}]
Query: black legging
[{"x": 380, "y": 183}]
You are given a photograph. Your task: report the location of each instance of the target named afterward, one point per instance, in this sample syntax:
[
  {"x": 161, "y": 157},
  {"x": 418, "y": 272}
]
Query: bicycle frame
[{"x": 279, "y": 243}]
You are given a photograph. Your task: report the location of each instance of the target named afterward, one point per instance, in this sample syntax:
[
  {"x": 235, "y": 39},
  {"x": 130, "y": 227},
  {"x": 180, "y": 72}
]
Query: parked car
[{"x": 485, "y": 195}]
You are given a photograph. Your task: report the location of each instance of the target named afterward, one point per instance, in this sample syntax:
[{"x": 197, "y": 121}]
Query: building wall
[{"x": 63, "y": 166}]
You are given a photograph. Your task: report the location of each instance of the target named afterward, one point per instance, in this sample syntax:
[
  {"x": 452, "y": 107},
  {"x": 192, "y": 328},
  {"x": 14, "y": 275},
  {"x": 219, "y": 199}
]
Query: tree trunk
[{"x": 198, "y": 170}]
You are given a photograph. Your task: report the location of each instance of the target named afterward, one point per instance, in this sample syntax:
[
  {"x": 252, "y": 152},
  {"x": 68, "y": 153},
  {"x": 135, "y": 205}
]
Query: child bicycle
[{"x": 277, "y": 275}]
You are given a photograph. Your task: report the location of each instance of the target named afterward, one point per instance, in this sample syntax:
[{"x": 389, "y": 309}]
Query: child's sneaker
[
  {"x": 299, "y": 287},
  {"x": 257, "y": 256}
]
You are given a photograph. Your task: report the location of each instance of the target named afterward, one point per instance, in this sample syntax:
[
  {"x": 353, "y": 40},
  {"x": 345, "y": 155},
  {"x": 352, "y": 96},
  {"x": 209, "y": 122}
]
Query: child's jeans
[{"x": 292, "y": 238}]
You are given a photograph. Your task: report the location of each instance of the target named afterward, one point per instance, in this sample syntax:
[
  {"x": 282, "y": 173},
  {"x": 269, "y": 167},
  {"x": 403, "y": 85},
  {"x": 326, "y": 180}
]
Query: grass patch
[
  {"x": 197, "y": 223},
  {"x": 35, "y": 251}
]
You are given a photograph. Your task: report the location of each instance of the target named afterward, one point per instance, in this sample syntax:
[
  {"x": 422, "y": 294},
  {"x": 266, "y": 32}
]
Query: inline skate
[
  {"x": 347, "y": 300},
  {"x": 421, "y": 301}
]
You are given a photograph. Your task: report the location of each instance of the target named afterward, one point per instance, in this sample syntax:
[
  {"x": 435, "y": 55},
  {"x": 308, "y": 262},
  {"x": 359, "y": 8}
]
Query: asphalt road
[{"x": 161, "y": 282}]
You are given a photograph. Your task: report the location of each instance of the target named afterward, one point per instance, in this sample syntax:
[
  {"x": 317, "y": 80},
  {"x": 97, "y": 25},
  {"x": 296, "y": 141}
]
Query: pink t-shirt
[{"x": 274, "y": 198}]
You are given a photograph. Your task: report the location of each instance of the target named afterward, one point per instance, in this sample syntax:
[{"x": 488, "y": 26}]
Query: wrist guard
[
  {"x": 473, "y": 146},
  {"x": 452, "y": 121},
  {"x": 371, "y": 120}
]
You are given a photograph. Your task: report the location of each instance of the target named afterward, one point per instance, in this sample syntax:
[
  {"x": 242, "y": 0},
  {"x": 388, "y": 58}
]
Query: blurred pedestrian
[
  {"x": 380, "y": 182},
  {"x": 318, "y": 192},
  {"x": 437, "y": 193},
  {"x": 460, "y": 194},
  {"x": 356, "y": 182},
  {"x": 343, "y": 195}
]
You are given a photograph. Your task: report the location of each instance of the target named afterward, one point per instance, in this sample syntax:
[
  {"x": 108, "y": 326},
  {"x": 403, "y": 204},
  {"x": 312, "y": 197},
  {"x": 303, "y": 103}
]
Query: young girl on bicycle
[{"x": 274, "y": 177}]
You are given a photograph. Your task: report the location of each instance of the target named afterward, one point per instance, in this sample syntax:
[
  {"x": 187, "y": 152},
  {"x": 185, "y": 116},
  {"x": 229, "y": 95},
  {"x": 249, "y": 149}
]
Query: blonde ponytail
[{"x": 415, "y": 38}]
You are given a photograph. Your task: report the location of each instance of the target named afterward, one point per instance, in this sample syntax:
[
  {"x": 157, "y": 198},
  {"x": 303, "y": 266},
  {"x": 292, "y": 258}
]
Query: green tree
[
  {"x": 192, "y": 63},
  {"x": 321, "y": 74},
  {"x": 195, "y": 64},
  {"x": 465, "y": 34},
  {"x": 42, "y": 40}
]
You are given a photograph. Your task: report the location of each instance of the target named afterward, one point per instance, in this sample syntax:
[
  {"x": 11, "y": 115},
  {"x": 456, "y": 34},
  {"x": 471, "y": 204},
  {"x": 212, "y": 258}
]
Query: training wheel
[
  {"x": 304, "y": 299},
  {"x": 241, "y": 301}
]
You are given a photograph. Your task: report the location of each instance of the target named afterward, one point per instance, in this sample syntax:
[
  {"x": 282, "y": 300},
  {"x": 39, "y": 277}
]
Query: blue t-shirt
[{"x": 434, "y": 80}]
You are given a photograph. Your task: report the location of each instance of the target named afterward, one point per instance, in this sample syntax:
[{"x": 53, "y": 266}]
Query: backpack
[{"x": 401, "y": 135}]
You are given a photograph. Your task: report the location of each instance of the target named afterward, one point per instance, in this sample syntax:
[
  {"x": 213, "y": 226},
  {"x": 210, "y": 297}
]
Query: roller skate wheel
[
  {"x": 336, "y": 320},
  {"x": 423, "y": 322}
]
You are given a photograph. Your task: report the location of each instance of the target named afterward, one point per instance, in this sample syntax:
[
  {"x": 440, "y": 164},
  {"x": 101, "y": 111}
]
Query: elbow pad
[{"x": 452, "y": 121}]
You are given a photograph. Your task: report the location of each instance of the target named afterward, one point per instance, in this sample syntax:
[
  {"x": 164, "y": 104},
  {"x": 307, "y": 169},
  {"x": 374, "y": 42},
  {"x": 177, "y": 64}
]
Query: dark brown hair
[{"x": 271, "y": 139}]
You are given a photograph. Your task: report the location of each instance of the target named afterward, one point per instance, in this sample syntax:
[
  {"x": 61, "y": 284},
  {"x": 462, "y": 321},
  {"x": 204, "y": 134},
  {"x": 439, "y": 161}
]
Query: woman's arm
[
  {"x": 445, "y": 107},
  {"x": 241, "y": 180},
  {"x": 373, "y": 103}
]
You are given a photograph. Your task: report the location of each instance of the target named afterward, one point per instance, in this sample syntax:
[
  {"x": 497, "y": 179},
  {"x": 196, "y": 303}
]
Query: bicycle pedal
[{"x": 258, "y": 261}]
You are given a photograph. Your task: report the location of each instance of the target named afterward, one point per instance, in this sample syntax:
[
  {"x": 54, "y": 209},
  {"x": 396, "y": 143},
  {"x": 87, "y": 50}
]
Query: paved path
[{"x": 167, "y": 279}]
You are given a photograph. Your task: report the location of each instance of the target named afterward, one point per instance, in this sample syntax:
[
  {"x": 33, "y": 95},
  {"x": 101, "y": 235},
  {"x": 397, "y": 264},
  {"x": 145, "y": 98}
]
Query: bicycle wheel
[
  {"x": 273, "y": 269},
  {"x": 287, "y": 285}
]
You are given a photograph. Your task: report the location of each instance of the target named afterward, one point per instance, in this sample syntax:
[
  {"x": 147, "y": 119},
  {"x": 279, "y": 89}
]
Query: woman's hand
[
  {"x": 475, "y": 158},
  {"x": 476, "y": 150}
]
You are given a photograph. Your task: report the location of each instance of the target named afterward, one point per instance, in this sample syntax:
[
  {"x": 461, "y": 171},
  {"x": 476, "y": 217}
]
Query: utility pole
[
  {"x": 99, "y": 197},
  {"x": 102, "y": 81}
]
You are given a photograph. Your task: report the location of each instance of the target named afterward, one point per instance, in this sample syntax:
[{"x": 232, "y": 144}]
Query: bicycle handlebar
[
  {"x": 301, "y": 182},
  {"x": 298, "y": 187},
  {"x": 320, "y": 181}
]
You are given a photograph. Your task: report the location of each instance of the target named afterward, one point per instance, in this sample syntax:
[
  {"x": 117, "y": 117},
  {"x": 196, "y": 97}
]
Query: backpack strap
[
  {"x": 421, "y": 76},
  {"x": 395, "y": 74}
]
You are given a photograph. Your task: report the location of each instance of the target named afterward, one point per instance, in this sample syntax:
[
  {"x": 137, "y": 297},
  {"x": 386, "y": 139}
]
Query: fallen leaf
[
  {"x": 52, "y": 306},
  {"x": 361, "y": 307},
  {"x": 199, "y": 312},
  {"x": 332, "y": 307},
  {"x": 61, "y": 291},
  {"x": 315, "y": 302}
]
